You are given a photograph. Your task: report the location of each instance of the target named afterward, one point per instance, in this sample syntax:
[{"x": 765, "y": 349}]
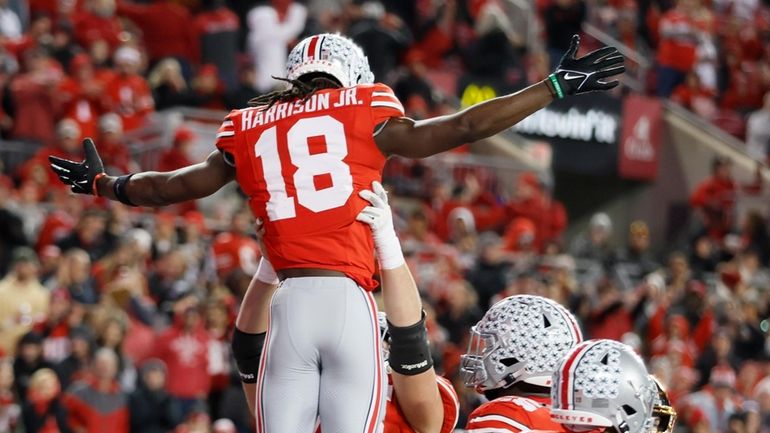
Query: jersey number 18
[{"x": 280, "y": 206}]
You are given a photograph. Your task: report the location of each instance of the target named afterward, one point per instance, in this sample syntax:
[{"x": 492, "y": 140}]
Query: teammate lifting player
[{"x": 301, "y": 156}]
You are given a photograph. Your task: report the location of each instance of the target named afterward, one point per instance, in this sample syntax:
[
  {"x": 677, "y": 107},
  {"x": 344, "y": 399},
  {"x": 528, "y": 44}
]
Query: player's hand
[
  {"x": 588, "y": 73},
  {"x": 378, "y": 216},
  {"x": 79, "y": 176}
]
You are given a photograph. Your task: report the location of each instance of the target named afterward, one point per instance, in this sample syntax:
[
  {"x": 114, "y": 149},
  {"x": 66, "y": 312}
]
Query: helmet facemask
[{"x": 663, "y": 413}]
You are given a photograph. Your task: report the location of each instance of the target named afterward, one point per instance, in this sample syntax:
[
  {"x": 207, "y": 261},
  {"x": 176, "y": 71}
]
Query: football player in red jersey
[
  {"x": 411, "y": 405},
  {"x": 514, "y": 350},
  {"x": 301, "y": 156}
]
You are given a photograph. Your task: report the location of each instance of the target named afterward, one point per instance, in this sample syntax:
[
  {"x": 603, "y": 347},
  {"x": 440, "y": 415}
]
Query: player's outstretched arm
[
  {"x": 150, "y": 188},
  {"x": 414, "y": 379},
  {"x": 418, "y": 139}
]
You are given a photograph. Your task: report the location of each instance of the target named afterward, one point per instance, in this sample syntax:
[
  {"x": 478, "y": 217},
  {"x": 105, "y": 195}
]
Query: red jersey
[
  {"x": 302, "y": 165},
  {"x": 232, "y": 251},
  {"x": 395, "y": 422},
  {"x": 677, "y": 52},
  {"x": 130, "y": 97},
  {"x": 513, "y": 414},
  {"x": 78, "y": 106}
]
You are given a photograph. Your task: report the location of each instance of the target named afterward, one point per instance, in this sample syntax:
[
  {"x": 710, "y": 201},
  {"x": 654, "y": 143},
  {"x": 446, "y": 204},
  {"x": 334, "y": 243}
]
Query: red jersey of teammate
[
  {"x": 395, "y": 422},
  {"x": 233, "y": 251},
  {"x": 513, "y": 414},
  {"x": 302, "y": 165}
]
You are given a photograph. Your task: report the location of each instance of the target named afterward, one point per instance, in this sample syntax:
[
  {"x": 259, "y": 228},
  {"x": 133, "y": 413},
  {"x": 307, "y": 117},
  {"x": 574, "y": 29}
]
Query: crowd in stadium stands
[{"x": 117, "y": 319}]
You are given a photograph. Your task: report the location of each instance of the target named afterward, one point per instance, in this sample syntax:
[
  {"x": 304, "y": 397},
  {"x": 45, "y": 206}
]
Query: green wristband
[{"x": 556, "y": 86}]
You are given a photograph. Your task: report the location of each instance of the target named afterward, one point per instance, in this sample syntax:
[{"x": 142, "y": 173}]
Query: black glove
[
  {"x": 79, "y": 175},
  {"x": 586, "y": 74}
]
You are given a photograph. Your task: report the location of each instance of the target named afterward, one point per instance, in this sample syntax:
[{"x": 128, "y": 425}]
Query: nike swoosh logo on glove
[{"x": 569, "y": 76}]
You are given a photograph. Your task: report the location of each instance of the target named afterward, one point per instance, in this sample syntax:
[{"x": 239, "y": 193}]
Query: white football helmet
[
  {"x": 603, "y": 383},
  {"x": 520, "y": 339},
  {"x": 330, "y": 54}
]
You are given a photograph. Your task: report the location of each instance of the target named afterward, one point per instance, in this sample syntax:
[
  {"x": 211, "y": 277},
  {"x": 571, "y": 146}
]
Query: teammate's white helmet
[
  {"x": 520, "y": 339},
  {"x": 603, "y": 383},
  {"x": 330, "y": 54}
]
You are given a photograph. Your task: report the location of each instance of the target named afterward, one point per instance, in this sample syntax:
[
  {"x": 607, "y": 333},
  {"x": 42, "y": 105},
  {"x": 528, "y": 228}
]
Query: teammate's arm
[
  {"x": 150, "y": 188},
  {"x": 417, "y": 394},
  {"x": 251, "y": 329},
  {"x": 418, "y": 139}
]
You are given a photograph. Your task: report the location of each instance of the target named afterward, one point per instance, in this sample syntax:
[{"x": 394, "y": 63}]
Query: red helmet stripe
[
  {"x": 565, "y": 393},
  {"x": 311, "y": 54}
]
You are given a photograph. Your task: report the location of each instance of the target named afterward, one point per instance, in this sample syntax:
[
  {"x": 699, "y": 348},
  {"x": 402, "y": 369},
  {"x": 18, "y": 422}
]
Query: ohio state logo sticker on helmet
[{"x": 331, "y": 54}]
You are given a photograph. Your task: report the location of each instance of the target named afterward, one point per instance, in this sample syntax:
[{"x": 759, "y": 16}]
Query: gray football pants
[{"x": 322, "y": 360}]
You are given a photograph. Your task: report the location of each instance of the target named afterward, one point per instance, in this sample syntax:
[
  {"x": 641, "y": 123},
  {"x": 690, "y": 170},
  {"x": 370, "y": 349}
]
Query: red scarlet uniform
[
  {"x": 394, "y": 417},
  {"x": 302, "y": 165},
  {"x": 513, "y": 414}
]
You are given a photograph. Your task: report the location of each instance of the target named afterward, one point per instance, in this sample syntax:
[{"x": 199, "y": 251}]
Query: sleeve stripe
[
  {"x": 452, "y": 394},
  {"x": 227, "y": 123},
  {"x": 488, "y": 430},
  {"x": 226, "y": 134},
  {"x": 387, "y": 94},
  {"x": 502, "y": 419},
  {"x": 395, "y": 105}
]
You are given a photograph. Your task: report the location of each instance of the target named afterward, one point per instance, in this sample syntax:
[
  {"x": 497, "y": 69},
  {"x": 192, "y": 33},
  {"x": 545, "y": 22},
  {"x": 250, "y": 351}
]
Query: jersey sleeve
[
  {"x": 225, "y": 139},
  {"x": 451, "y": 404},
  {"x": 384, "y": 104},
  {"x": 497, "y": 416}
]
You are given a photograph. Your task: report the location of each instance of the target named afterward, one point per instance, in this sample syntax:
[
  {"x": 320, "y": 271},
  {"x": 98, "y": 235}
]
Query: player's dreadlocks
[{"x": 301, "y": 88}]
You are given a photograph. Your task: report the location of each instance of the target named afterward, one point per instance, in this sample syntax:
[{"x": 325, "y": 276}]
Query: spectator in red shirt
[
  {"x": 533, "y": 202},
  {"x": 67, "y": 145},
  {"x": 44, "y": 411},
  {"x": 217, "y": 30},
  {"x": 236, "y": 249},
  {"x": 97, "y": 405},
  {"x": 55, "y": 329},
  {"x": 714, "y": 198},
  {"x": 167, "y": 29},
  {"x": 696, "y": 97},
  {"x": 128, "y": 93},
  {"x": 678, "y": 41},
  {"x": 80, "y": 94},
  {"x": 208, "y": 89},
  {"x": 32, "y": 97},
  {"x": 98, "y": 21},
  {"x": 116, "y": 156},
  {"x": 184, "y": 349}
]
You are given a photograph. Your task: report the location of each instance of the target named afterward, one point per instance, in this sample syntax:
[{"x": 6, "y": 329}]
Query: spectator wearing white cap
[
  {"x": 116, "y": 155},
  {"x": 127, "y": 93}
]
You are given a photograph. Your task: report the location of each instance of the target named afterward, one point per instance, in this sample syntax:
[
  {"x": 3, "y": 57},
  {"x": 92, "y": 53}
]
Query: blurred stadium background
[{"x": 644, "y": 211}]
